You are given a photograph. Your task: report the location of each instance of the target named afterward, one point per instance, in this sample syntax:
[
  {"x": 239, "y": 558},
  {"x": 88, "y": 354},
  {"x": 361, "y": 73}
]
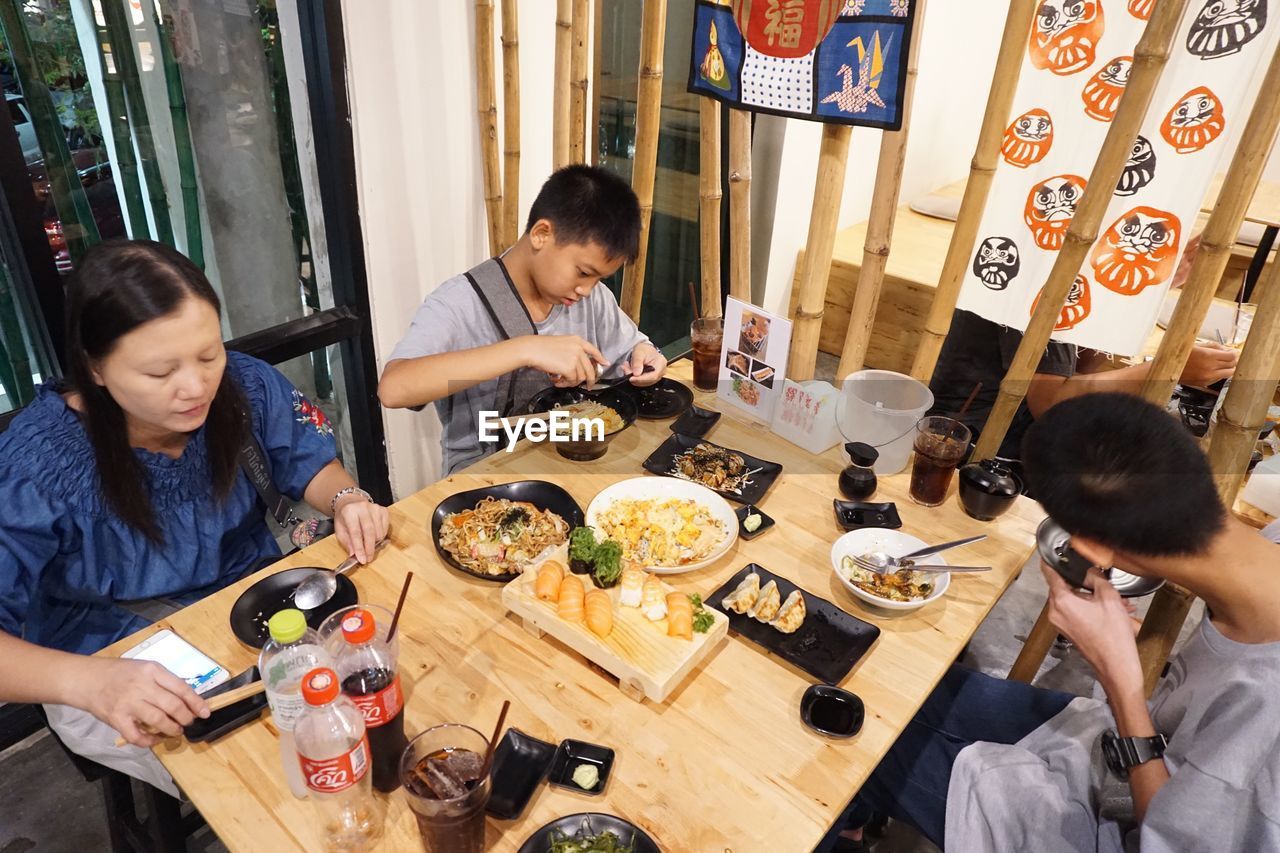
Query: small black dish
[
  {"x": 630, "y": 836},
  {"x": 831, "y": 711},
  {"x": 987, "y": 489},
  {"x": 662, "y": 460},
  {"x": 543, "y": 495},
  {"x": 664, "y": 399},
  {"x": 765, "y": 521},
  {"x": 855, "y": 515},
  {"x": 519, "y": 764},
  {"x": 274, "y": 593},
  {"x": 232, "y": 717},
  {"x": 584, "y": 450},
  {"x": 696, "y": 422},
  {"x": 570, "y": 754}
]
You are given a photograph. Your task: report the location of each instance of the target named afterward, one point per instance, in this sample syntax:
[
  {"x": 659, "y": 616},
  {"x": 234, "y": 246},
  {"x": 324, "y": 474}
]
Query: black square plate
[
  {"x": 570, "y": 754},
  {"x": 661, "y": 462},
  {"x": 232, "y": 717},
  {"x": 696, "y": 421},
  {"x": 519, "y": 763},
  {"x": 765, "y": 521},
  {"x": 666, "y": 398},
  {"x": 854, "y": 515},
  {"x": 826, "y": 646}
]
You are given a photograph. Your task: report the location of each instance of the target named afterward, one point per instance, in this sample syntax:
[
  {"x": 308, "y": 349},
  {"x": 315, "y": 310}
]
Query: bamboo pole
[
  {"x": 709, "y": 194},
  {"x": 1149, "y": 59},
  {"x": 1004, "y": 82},
  {"x": 126, "y": 165},
  {"x": 653, "y": 34},
  {"x": 486, "y": 104},
  {"x": 740, "y": 204},
  {"x": 560, "y": 90},
  {"x": 510, "y": 123},
  {"x": 1256, "y": 141},
  {"x": 182, "y": 145},
  {"x": 884, "y": 208},
  {"x": 578, "y": 82},
  {"x": 119, "y": 28}
]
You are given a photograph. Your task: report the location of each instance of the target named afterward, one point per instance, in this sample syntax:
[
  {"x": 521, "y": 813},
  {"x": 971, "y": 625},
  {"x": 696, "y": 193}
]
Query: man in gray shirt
[
  {"x": 584, "y": 224},
  {"x": 992, "y": 765}
]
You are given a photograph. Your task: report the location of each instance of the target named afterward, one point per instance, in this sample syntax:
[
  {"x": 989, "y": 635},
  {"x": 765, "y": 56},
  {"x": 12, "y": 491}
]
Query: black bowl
[
  {"x": 988, "y": 489},
  {"x": 831, "y": 711},
  {"x": 585, "y": 450},
  {"x": 274, "y": 593},
  {"x": 591, "y": 824}
]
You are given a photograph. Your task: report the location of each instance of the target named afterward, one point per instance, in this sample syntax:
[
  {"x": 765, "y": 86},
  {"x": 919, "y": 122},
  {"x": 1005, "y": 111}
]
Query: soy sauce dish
[{"x": 832, "y": 711}]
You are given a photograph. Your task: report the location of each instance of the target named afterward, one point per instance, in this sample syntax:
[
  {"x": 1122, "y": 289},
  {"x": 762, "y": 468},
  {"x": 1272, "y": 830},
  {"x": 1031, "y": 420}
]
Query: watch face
[{"x": 1111, "y": 753}]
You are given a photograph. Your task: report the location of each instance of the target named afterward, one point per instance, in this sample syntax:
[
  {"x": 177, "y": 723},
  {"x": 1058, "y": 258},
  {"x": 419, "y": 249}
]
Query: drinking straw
[
  {"x": 395, "y": 619},
  {"x": 493, "y": 741},
  {"x": 968, "y": 402},
  {"x": 693, "y": 300}
]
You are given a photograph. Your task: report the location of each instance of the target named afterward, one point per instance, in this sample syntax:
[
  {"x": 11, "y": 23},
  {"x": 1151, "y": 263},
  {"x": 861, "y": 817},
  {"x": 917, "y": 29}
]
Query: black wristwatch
[{"x": 1125, "y": 753}]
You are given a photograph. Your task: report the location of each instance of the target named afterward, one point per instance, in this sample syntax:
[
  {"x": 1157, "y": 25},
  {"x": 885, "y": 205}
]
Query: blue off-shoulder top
[{"x": 67, "y": 561}]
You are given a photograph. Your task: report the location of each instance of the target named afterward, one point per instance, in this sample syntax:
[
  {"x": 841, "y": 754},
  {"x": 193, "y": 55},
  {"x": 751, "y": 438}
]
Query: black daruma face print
[
  {"x": 1223, "y": 27},
  {"x": 997, "y": 262},
  {"x": 1139, "y": 169}
]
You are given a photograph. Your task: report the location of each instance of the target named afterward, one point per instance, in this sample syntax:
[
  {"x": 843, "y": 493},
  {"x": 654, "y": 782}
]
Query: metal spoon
[{"x": 321, "y": 584}]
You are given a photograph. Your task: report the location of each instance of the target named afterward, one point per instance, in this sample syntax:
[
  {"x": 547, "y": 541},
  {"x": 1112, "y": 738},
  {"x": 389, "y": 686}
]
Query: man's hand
[
  {"x": 125, "y": 694},
  {"x": 1207, "y": 364},
  {"x": 1099, "y": 625},
  {"x": 568, "y": 359},
  {"x": 645, "y": 357}
]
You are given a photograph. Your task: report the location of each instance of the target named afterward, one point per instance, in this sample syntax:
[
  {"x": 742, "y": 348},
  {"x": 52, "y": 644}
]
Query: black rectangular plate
[
  {"x": 519, "y": 764},
  {"x": 659, "y": 462},
  {"x": 826, "y": 646},
  {"x": 231, "y": 717},
  {"x": 765, "y": 521},
  {"x": 855, "y": 515},
  {"x": 570, "y": 754},
  {"x": 696, "y": 421}
]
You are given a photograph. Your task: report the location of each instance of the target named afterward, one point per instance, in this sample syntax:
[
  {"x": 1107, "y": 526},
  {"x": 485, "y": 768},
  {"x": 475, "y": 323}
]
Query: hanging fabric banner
[
  {"x": 833, "y": 61},
  {"x": 1078, "y": 60}
]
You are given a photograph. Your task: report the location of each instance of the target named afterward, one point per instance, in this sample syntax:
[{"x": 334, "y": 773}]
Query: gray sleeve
[
  {"x": 615, "y": 334},
  {"x": 434, "y": 328}
]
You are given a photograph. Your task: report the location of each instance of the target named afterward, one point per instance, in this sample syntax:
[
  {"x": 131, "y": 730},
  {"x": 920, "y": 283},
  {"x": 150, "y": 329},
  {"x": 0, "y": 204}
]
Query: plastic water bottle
[
  {"x": 333, "y": 753},
  {"x": 292, "y": 652}
]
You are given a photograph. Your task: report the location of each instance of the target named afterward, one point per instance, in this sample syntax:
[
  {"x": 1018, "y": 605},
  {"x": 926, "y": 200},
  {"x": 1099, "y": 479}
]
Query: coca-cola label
[
  {"x": 380, "y": 708},
  {"x": 331, "y": 775}
]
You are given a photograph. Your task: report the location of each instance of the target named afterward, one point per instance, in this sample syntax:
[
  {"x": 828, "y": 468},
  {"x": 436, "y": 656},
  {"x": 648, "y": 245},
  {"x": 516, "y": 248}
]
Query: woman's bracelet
[{"x": 349, "y": 490}]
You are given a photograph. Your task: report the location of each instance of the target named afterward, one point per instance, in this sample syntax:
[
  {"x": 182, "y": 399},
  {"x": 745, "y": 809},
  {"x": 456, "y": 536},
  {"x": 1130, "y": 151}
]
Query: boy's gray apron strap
[{"x": 498, "y": 295}]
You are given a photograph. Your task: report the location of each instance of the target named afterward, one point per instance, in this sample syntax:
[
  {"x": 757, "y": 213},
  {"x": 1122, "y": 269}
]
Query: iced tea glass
[
  {"x": 940, "y": 444},
  {"x": 449, "y": 824},
  {"x": 706, "y": 335}
]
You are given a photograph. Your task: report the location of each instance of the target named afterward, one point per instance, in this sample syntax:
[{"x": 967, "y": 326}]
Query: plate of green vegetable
[{"x": 590, "y": 832}]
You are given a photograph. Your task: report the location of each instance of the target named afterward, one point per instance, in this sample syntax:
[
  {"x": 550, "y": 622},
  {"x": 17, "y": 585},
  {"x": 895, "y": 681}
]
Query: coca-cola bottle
[
  {"x": 367, "y": 667},
  {"x": 333, "y": 752}
]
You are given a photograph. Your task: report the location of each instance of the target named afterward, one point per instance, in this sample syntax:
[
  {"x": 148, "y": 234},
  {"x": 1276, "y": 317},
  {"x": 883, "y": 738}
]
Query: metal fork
[{"x": 876, "y": 568}]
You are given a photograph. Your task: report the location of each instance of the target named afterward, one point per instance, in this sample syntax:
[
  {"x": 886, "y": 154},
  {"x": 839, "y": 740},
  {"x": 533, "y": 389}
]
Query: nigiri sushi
[
  {"x": 599, "y": 612},
  {"x": 653, "y": 601},
  {"x": 632, "y": 587},
  {"x": 571, "y": 594},
  {"x": 547, "y": 587},
  {"x": 679, "y": 615}
]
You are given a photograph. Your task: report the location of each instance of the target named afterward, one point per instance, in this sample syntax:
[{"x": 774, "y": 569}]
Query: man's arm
[{"x": 1133, "y": 719}]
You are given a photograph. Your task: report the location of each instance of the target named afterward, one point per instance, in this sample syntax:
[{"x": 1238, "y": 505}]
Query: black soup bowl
[{"x": 586, "y": 449}]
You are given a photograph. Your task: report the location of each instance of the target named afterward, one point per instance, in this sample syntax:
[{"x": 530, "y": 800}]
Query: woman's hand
[
  {"x": 1100, "y": 626},
  {"x": 360, "y": 524},
  {"x": 128, "y": 694}
]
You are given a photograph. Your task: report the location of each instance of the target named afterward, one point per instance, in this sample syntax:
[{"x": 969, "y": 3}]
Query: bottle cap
[
  {"x": 861, "y": 454},
  {"x": 287, "y": 626},
  {"x": 320, "y": 686},
  {"x": 357, "y": 626}
]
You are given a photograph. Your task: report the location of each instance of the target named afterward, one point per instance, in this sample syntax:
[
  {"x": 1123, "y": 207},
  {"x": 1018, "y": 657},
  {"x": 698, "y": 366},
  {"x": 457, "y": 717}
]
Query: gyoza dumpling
[
  {"x": 791, "y": 615},
  {"x": 766, "y": 606},
  {"x": 742, "y": 598}
]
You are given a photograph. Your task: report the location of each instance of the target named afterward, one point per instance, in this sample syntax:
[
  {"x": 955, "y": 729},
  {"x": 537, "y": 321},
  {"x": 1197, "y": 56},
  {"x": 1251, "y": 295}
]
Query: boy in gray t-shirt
[{"x": 583, "y": 226}]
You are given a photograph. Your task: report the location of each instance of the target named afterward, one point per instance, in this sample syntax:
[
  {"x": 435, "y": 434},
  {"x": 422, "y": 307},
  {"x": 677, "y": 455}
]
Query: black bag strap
[
  {"x": 253, "y": 461},
  {"x": 497, "y": 293}
]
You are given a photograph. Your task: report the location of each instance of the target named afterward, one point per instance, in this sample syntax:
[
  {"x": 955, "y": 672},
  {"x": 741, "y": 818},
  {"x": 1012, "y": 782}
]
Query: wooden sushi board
[{"x": 647, "y": 663}]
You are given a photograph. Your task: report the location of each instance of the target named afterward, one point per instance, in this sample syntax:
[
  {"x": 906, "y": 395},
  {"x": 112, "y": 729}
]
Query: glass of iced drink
[
  {"x": 940, "y": 444},
  {"x": 440, "y": 770}
]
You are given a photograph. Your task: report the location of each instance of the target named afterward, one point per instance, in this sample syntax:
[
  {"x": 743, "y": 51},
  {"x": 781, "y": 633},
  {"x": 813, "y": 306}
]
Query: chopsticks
[{"x": 216, "y": 703}]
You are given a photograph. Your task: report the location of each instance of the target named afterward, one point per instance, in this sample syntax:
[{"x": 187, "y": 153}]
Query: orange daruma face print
[
  {"x": 1102, "y": 93},
  {"x": 1028, "y": 139},
  {"x": 1140, "y": 249},
  {"x": 1065, "y": 34},
  {"x": 1141, "y": 9},
  {"x": 1050, "y": 206},
  {"x": 1076, "y": 308},
  {"x": 1194, "y": 121}
]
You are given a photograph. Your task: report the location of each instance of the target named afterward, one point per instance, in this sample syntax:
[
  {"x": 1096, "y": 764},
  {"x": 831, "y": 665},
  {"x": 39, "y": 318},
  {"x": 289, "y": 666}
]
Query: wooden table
[{"x": 723, "y": 764}]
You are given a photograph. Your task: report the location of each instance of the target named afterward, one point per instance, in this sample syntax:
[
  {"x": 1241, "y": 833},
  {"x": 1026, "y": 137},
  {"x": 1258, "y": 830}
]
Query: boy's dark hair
[
  {"x": 587, "y": 204},
  {"x": 1122, "y": 472}
]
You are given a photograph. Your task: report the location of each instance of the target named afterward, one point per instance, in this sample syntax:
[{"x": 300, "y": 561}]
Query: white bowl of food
[
  {"x": 664, "y": 525},
  {"x": 901, "y": 591}
]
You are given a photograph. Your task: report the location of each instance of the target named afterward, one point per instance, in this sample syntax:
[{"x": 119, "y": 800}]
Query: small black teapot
[{"x": 988, "y": 488}]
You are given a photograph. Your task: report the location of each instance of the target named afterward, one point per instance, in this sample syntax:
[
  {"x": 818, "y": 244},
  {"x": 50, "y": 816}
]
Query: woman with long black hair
[{"x": 123, "y": 495}]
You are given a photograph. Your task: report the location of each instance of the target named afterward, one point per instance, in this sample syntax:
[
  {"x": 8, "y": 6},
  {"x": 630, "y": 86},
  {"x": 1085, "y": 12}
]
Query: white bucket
[{"x": 880, "y": 408}]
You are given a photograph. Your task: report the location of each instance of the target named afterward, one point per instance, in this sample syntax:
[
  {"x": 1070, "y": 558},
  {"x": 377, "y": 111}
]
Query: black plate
[
  {"x": 854, "y": 515},
  {"x": 696, "y": 421},
  {"x": 570, "y": 754},
  {"x": 826, "y": 646},
  {"x": 587, "y": 449},
  {"x": 666, "y": 398},
  {"x": 596, "y": 823},
  {"x": 272, "y": 594},
  {"x": 660, "y": 461},
  {"x": 831, "y": 711},
  {"x": 765, "y": 521},
  {"x": 231, "y": 717},
  {"x": 519, "y": 763},
  {"x": 540, "y": 493}
]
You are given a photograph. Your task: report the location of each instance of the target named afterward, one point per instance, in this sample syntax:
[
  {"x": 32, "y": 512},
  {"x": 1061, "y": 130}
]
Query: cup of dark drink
[
  {"x": 706, "y": 336},
  {"x": 940, "y": 445},
  {"x": 440, "y": 770}
]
